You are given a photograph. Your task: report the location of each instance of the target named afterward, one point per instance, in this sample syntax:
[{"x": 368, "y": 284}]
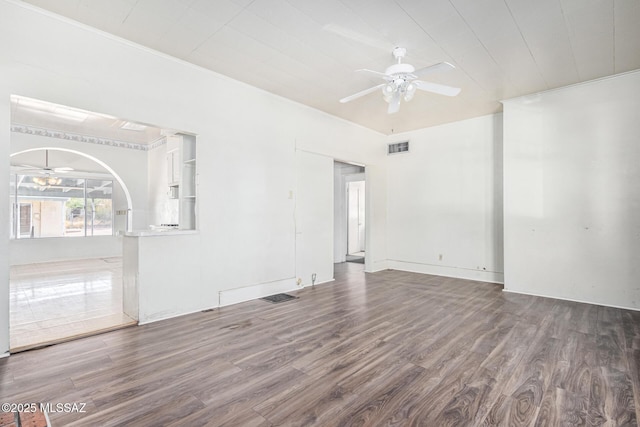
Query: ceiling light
[
  {"x": 409, "y": 91},
  {"x": 70, "y": 114},
  {"x": 46, "y": 181},
  {"x": 133, "y": 126},
  {"x": 31, "y": 103},
  {"x": 388, "y": 90}
]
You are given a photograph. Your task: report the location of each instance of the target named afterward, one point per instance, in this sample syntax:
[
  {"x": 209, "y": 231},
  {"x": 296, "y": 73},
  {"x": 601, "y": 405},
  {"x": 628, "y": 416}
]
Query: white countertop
[{"x": 154, "y": 233}]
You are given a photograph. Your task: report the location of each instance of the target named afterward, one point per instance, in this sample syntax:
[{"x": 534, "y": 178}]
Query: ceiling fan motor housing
[
  {"x": 400, "y": 69},
  {"x": 399, "y": 52}
]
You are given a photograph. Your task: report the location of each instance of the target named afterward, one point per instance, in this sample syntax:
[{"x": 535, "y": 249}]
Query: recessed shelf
[{"x": 188, "y": 181}]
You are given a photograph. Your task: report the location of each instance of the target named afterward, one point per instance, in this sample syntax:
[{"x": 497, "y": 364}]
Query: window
[
  {"x": 99, "y": 208},
  {"x": 60, "y": 206}
]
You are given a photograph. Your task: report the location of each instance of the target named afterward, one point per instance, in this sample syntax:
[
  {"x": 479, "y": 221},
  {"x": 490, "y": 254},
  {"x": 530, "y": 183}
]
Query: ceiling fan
[
  {"x": 401, "y": 82},
  {"x": 46, "y": 170}
]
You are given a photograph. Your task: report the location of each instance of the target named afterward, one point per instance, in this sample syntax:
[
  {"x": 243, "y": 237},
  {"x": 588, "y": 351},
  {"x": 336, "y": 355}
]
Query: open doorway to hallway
[
  {"x": 349, "y": 213},
  {"x": 355, "y": 221}
]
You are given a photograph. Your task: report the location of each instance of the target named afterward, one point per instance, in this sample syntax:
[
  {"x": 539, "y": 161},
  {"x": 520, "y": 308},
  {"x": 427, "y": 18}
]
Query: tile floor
[{"x": 56, "y": 301}]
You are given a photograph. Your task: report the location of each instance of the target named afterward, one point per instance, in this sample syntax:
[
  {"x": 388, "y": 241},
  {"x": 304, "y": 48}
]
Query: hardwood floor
[{"x": 390, "y": 348}]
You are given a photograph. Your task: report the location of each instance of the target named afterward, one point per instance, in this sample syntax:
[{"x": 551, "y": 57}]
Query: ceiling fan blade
[
  {"x": 375, "y": 73},
  {"x": 63, "y": 169},
  {"x": 394, "y": 103},
  {"x": 361, "y": 93},
  {"x": 26, "y": 167},
  {"x": 442, "y": 66},
  {"x": 436, "y": 88}
]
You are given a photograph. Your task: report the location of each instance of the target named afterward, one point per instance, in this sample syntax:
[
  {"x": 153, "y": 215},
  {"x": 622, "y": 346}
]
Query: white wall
[
  {"x": 376, "y": 217},
  {"x": 246, "y": 145},
  {"x": 572, "y": 192},
  {"x": 29, "y": 251},
  {"x": 5, "y": 135},
  {"x": 444, "y": 199},
  {"x": 169, "y": 267},
  {"x": 314, "y": 218}
]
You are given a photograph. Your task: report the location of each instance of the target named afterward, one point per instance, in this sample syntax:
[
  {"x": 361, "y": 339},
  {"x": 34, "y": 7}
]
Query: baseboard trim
[
  {"x": 3, "y": 355},
  {"x": 437, "y": 270},
  {"x": 319, "y": 283},
  {"x": 511, "y": 291},
  {"x": 248, "y": 293},
  {"x": 160, "y": 317},
  {"x": 238, "y": 295},
  {"x": 376, "y": 266}
]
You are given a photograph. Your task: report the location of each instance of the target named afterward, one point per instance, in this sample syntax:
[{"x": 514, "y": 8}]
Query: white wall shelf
[{"x": 188, "y": 183}]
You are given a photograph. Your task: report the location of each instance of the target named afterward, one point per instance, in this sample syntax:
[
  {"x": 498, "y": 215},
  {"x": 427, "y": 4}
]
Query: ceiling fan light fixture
[
  {"x": 46, "y": 181},
  {"x": 409, "y": 91},
  {"x": 401, "y": 82},
  {"x": 388, "y": 90}
]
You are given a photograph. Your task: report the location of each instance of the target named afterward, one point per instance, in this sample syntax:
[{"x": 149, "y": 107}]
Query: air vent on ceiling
[{"x": 398, "y": 147}]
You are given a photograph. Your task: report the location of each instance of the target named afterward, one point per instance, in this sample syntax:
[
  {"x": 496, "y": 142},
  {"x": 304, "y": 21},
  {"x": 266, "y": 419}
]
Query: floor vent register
[{"x": 279, "y": 298}]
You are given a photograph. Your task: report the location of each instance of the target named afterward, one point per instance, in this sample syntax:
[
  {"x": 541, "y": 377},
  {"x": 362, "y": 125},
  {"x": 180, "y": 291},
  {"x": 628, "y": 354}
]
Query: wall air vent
[{"x": 398, "y": 147}]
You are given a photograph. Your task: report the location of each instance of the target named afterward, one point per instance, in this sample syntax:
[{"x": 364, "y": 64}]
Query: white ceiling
[
  {"x": 307, "y": 50},
  {"x": 34, "y": 113}
]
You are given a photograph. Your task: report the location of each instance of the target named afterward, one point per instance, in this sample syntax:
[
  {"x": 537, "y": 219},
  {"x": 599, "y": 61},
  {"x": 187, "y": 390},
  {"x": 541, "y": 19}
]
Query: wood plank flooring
[{"x": 384, "y": 349}]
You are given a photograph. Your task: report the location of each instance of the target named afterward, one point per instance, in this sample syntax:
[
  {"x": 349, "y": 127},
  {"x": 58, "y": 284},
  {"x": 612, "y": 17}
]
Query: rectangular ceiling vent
[{"x": 398, "y": 147}]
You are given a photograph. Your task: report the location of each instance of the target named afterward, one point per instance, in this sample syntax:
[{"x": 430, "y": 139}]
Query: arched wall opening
[
  {"x": 75, "y": 282},
  {"x": 127, "y": 194}
]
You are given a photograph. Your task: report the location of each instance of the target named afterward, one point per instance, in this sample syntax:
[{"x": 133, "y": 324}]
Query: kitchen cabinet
[{"x": 174, "y": 168}]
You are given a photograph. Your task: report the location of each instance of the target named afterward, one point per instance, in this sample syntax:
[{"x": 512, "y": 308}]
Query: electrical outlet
[
  {"x": 299, "y": 281},
  {"x": 440, "y": 257}
]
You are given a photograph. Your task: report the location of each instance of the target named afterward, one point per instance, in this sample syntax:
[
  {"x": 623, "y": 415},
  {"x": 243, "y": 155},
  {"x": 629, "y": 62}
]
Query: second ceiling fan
[
  {"x": 401, "y": 82},
  {"x": 46, "y": 169}
]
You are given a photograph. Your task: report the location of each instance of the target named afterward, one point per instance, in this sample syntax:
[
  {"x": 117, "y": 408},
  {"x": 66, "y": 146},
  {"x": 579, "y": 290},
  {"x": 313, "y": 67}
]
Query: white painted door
[
  {"x": 314, "y": 218},
  {"x": 356, "y": 212}
]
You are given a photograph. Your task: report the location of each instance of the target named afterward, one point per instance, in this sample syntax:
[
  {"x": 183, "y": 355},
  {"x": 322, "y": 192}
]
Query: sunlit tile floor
[{"x": 55, "y": 301}]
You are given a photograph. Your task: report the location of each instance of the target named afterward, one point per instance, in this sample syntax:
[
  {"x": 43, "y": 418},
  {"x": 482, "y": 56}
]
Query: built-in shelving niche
[{"x": 182, "y": 175}]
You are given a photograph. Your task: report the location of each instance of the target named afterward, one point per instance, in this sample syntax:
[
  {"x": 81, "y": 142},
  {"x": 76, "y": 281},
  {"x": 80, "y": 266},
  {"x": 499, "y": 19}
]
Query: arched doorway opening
[{"x": 65, "y": 282}]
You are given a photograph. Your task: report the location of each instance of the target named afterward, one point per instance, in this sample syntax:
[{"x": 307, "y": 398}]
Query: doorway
[
  {"x": 349, "y": 213},
  {"x": 59, "y": 214},
  {"x": 68, "y": 208},
  {"x": 24, "y": 225},
  {"x": 355, "y": 221}
]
